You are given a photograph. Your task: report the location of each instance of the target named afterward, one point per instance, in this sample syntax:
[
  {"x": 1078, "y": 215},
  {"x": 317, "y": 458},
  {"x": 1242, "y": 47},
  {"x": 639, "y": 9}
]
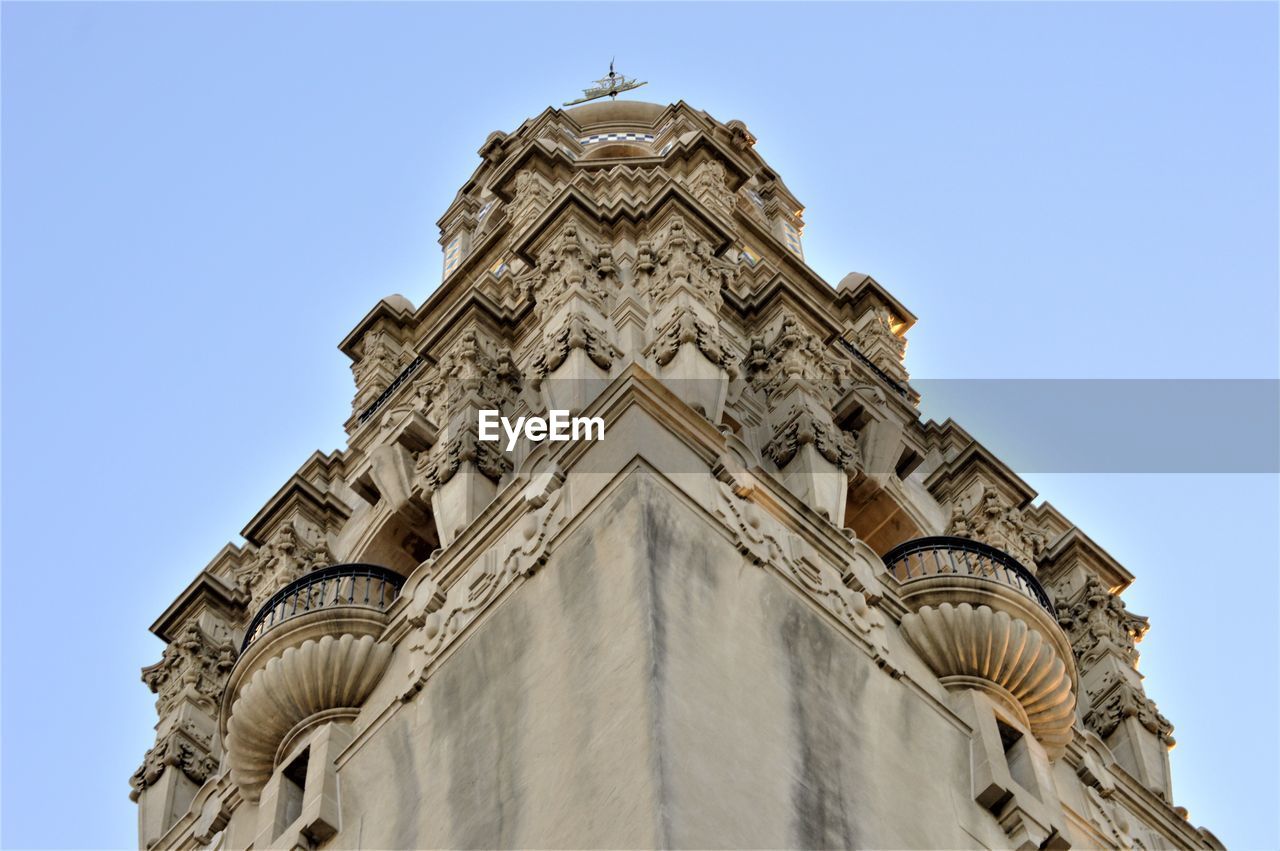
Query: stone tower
[{"x": 771, "y": 607}]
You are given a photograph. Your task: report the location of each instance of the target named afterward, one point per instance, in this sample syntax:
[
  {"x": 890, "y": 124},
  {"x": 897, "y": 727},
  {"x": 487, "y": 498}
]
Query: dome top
[{"x": 616, "y": 112}]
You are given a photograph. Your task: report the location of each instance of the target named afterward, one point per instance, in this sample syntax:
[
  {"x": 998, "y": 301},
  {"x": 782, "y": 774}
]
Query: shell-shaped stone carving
[
  {"x": 331, "y": 673},
  {"x": 963, "y": 641}
]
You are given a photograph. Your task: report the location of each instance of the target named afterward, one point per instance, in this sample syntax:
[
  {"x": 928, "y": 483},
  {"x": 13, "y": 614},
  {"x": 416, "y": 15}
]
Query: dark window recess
[
  {"x": 1017, "y": 756},
  {"x": 293, "y": 785}
]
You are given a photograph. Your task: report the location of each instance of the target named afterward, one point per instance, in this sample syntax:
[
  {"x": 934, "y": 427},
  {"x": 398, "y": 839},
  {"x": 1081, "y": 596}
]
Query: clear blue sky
[{"x": 199, "y": 201}]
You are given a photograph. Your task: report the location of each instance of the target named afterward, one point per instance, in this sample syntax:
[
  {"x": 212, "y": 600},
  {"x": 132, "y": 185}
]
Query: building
[{"x": 770, "y": 608}]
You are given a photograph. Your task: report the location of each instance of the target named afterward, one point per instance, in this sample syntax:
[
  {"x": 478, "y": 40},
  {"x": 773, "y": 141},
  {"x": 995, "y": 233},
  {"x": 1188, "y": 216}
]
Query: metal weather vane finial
[{"x": 609, "y": 86}]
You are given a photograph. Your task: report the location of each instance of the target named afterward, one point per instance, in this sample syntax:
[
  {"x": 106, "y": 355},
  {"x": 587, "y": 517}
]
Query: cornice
[
  {"x": 296, "y": 491},
  {"x": 624, "y": 209},
  {"x": 384, "y": 309},
  {"x": 973, "y": 458},
  {"x": 856, "y": 289},
  {"x": 206, "y": 591},
  {"x": 1076, "y": 543}
]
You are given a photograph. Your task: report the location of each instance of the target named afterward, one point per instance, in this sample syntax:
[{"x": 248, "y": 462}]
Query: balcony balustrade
[
  {"x": 947, "y": 556},
  {"x": 364, "y": 585}
]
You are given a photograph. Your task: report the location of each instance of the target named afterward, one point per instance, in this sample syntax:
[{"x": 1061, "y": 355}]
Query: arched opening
[
  {"x": 878, "y": 517},
  {"x": 614, "y": 150}
]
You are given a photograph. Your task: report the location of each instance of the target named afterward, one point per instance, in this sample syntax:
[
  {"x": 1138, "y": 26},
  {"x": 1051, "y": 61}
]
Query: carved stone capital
[
  {"x": 193, "y": 667},
  {"x": 577, "y": 332},
  {"x": 1097, "y": 622},
  {"x": 1116, "y": 699},
  {"x": 683, "y": 262},
  {"x": 805, "y": 427},
  {"x": 792, "y": 354},
  {"x": 684, "y": 328},
  {"x": 438, "y": 465},
  {"x": 185, "y": 748},
  {"x": 474, "y": 373}
]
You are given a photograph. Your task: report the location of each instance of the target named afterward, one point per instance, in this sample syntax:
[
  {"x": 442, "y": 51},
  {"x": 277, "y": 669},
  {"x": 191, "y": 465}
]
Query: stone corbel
[
  {"x": 169, "y": 777},
  {"x": 880, "y": 447},
  {"x": 574, "y": 364},
  {"x": 694, "y": 363},
  {"x": 462, "y": 475},
  {"x": 392, "y": 468},
  {"x": 815, "y": 458},
  {"x": 1135, "y": 731}
]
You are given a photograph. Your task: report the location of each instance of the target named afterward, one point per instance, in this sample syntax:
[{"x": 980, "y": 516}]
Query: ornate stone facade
[{"x": 746, "y": 617}]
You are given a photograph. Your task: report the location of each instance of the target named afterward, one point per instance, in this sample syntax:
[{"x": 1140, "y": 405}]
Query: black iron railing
[
  {"x": 866, "y": 361},
  {"x": 392, "y": 388},
  {"x": 944, "y": 555},
  {"x": 365, "y": 585}
]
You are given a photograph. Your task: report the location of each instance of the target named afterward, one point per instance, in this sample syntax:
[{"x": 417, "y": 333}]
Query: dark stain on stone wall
[
  {"x": 477, "y": 700},
  {"x": 405, "y": 824},
  {"x": 818, "y": 793},
  {"x": 656, "y": 528}
]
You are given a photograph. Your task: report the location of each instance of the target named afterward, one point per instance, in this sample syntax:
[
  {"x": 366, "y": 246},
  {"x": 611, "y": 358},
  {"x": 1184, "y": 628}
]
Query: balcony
[
  {"x": 980, "y": 620},
  {"x": 311, "y": 655},
  {"x": 943, "y": 556}
]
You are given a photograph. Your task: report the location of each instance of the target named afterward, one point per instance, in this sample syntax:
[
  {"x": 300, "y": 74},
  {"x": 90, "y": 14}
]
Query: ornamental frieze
[
  {"x": 284, "y": 558},
  {"x": 770, "y": 546},
  {"x": 440, "y": 618},
  {"x": 995, "y": 521}
]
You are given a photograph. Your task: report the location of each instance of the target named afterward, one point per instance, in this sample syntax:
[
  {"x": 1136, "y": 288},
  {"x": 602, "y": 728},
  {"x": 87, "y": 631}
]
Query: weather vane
[{"x": 608, "y": 86}]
